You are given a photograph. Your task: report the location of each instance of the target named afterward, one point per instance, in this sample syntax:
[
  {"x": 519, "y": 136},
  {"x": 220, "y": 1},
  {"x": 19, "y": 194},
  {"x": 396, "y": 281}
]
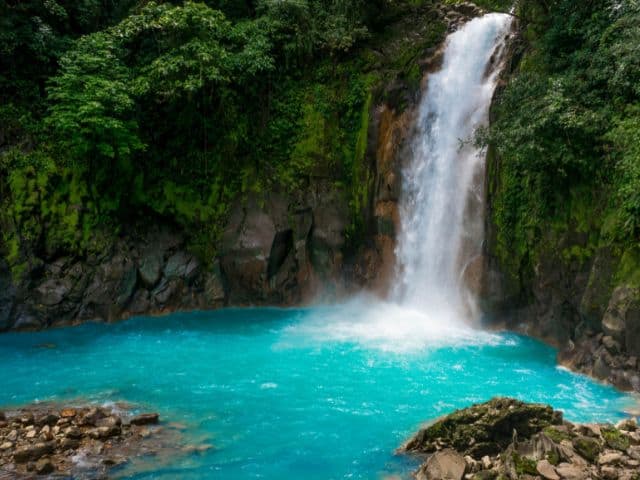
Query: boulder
[
  {"x": 443, "y": 465},
  {"x": 546, "y": 470},
  {"x": 490, "y": 424},
  {"x": 150, "y": 268},
  {"x": 32, "y": 453},
  {"x": 145, "y": 419},
  {"x": 44, "y": 466}
]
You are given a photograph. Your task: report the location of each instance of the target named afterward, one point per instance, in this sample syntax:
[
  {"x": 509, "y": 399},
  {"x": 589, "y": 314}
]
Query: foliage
[
  {"x": 566, "y": 129},
  {"x": 115, "y": 111}
]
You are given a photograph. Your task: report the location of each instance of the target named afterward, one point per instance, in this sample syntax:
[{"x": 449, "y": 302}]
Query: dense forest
[
  {"x": 120, "y": 111},
  {"x": 567, "y": 135}
]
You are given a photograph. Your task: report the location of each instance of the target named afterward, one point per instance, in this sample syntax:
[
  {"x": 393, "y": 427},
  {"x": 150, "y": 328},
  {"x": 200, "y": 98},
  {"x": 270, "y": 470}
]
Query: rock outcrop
[
  {"x": 509, "y": 439},
  {"x": 49, "y": 440}
]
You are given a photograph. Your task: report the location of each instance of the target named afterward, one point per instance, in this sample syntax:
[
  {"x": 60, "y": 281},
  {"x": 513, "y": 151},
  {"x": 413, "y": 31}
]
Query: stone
[
  {"x": 145, "y": 419},
  {"x": 570, "y": 472},
  {"x": 33, "y": 452},
  {"x": 491, "y": 424},
  {"x": 48, "y": 419},
  {"x": 546, "y": 470},
  {"x": 609, "y": 473},
  {"x": 628, "y": 425},
  {"x": 92, "y": 416},
  {"x": 103, "y": 433},
  {"x": 73, "y": 432},
  {"x": 30, "y": 434},
  {"x": 69, "y": 443},
  {"x": 150, "y": 268},
  {"x": 611, "y": 345},
  {"x": 587, "y": 447},
  {"x": 443, "y": 465},
  {"x": 6, "y": 446},
  {"x": 486, "y": 462},
  {"x": 610, "y": 458},
  {"x": 44, "y": 466},
  {"x": 12, "y": 436},
  {"x": 68, "y": 412},
  {"x": 181, "y": 264}
]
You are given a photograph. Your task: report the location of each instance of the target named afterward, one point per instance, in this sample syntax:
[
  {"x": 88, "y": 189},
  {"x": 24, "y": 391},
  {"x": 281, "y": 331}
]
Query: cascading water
[{"x": 442, "y": 224}]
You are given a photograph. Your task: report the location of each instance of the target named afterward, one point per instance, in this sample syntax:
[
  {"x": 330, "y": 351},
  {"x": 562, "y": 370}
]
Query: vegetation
[
  {"x": 120, "y": 110},
  {"x": 567, "y": 132}
]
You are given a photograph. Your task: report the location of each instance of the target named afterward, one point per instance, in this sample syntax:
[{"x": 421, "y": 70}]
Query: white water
[
  {"x": 441, "y": 212},
  {"x": 441, "y": 208}
]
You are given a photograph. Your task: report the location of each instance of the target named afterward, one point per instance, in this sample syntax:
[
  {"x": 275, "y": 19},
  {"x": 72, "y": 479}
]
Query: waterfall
[{"x": 442, "y": 203}]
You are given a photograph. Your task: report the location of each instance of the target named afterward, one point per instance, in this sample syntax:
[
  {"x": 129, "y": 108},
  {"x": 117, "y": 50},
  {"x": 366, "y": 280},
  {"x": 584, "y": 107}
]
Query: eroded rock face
[{"x": 540, "y": 445}]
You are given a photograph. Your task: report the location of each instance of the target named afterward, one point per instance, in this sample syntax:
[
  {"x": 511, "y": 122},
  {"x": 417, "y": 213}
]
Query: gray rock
[
  {"x": 150, "y": 269},
  {"x": 443, "y": 465},
  {"x": 181, "y": 265}
]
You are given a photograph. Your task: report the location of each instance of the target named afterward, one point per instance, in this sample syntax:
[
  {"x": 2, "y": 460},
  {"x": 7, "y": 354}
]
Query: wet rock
[
  {"x": 104, "y": 433},
  {"x": 33, "y": 452},
  {"x": 48, "y": 419},
  {"x": 446, "y": 464},
  {"x": 145, "y": 419},
  {"x": 44, "y": 467},
  {"x": 150, "y": 268},
  {"x": 68, "y": 412}
]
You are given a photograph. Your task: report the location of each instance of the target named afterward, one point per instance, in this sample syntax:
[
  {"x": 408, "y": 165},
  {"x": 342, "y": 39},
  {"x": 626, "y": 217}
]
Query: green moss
[
  {"x": 587, "y": 447},
  {"x": 557, "y": 435},
  {"x": 629, "y": 268},
  {"x": 524, "y": 465},
  {"x": 615, "y": 439}
]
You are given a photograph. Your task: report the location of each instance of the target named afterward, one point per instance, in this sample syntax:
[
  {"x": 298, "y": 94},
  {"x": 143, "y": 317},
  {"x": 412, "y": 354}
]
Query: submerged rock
[{"x": 48, "y": 440}]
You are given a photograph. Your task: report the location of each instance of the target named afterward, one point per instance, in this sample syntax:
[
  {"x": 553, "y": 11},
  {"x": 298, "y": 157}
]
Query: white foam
[{"x": 388, "y": 326}]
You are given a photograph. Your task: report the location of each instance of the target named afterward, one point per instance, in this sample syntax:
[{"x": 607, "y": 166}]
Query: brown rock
[
  {"x": 73, "y": 432},
  {"x": 44, "y": 466},
  {"x": 546, "y": 470},
  {"x": 104, "y": 433},
  {"x": 443, "y": 465},
  {"x": 68, "y": 412},
  {"x": 145, "y": 419},
  {"x": 48, "y": 419},
  {"x": 33, "y": 452},
  {"x": 69, "y": 443}
]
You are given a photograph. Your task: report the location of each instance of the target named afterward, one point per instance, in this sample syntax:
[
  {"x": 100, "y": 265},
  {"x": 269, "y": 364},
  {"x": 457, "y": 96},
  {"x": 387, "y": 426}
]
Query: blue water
[{"x": 290, "y": 394}]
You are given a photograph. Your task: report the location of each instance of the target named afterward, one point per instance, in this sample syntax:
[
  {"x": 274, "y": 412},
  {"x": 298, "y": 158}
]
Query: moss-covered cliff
[
  {"x": 185, "y": 157},
  {"x": 563, "y": 236}
]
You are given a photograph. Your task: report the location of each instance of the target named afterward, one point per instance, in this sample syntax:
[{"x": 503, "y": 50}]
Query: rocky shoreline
[
  {"x": 508, "y": 439},
  {"x": 79, "y": 442}
]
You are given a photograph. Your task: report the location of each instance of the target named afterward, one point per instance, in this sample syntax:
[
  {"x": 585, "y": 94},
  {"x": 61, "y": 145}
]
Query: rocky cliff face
[
  {"x": 277, "y": 248},
  {"x": 581, "y": 297}
]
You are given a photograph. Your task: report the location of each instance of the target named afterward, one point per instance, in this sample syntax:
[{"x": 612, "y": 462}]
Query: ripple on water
[{"x": 302, "y": 393}]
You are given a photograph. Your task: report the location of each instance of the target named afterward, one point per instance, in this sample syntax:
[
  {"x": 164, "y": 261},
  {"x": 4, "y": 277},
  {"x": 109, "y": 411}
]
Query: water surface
[{"x": 318, "y": 393}]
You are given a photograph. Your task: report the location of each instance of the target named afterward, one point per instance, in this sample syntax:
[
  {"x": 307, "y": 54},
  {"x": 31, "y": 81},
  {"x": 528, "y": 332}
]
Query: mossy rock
[
  {"x": 587, "y": 448},
  {"x": 484, "y": 429},
  {"x": 557, "y": 435},
  {"x": 486, "y": 475},
  {"x": 524, "y": 465},
  {"x": 615, "y": 439}
]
